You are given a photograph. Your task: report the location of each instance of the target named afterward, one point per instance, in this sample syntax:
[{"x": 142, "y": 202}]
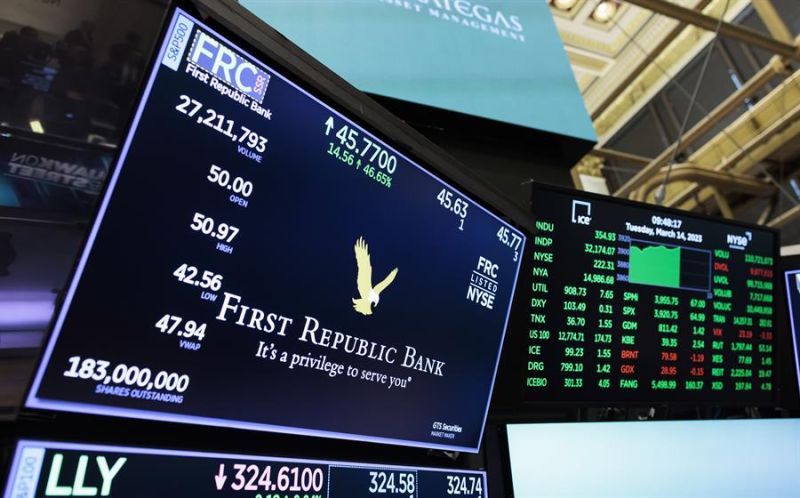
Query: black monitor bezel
[
  {"x": 507, "y": 409},
  {"x": 253, "y": 35},
  {"x": 12, "y": 446},
  {"x": 790, "y": 396}
]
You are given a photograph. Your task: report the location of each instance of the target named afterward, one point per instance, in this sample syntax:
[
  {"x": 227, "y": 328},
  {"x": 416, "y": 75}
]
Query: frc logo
[
  {"x": 226, "y": 65},
  {"x": 482, "y": 288},
  {"x": 739, "y": 241},
  {"x": 581, "y": 212}
]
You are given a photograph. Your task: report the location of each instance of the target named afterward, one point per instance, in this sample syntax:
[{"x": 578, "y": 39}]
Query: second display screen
[{"x": 631, "y": 303}]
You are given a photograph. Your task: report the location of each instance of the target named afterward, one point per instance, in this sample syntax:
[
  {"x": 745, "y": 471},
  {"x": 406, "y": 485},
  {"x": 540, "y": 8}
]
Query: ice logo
[
  {"x": 226, "y": 65},
  {"x": 581, "y": 212}
]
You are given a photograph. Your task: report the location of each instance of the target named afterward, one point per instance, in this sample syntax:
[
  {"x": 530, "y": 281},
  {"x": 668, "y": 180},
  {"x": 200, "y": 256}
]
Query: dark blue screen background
[{"x": 295, "y": 257}]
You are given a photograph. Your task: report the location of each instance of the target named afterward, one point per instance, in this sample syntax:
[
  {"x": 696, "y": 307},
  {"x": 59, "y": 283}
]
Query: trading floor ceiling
[{"x": 736, "y": 142}]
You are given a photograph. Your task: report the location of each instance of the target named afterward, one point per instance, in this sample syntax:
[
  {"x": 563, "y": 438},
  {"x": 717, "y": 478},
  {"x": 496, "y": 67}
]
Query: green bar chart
[
  {"x": 655, "y": 265},
  {"x": 670, "y": 266}
]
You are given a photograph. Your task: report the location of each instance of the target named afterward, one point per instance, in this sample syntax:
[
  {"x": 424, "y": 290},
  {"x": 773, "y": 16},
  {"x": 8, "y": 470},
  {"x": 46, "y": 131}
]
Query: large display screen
[
  {"x": 262, "y": 261},
  {"x": 793, "y": 303},
  {"x": 42, "y": 469},
  {"x": 497, "y": 59},
  {"x": 630, "y": 302},
  {"x": 712, "y": 459}
]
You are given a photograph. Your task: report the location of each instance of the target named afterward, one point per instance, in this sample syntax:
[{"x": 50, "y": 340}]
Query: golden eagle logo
[{"x": 369, "y": 295}]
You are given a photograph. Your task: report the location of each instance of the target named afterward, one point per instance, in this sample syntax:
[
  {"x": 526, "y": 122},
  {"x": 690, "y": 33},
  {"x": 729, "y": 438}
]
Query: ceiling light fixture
[
  {"x": 605, "y": 11},
  {"x": 563, "y": 4}
]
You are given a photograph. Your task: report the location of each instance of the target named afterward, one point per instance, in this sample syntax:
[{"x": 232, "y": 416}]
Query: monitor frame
[
  {"x": 790, "y": 397},
  {"x": 50, "y": 444},
  {"x": 508, "y": 405},
  {"x": 504, "y": 460},
  {"x": 250, "y": 34}
]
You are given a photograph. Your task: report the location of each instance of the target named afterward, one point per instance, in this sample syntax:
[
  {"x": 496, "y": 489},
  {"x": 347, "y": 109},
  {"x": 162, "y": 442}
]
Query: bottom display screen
[
  {"x": 664, "y": 459},
  {"x": 63, "y": 469}
]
